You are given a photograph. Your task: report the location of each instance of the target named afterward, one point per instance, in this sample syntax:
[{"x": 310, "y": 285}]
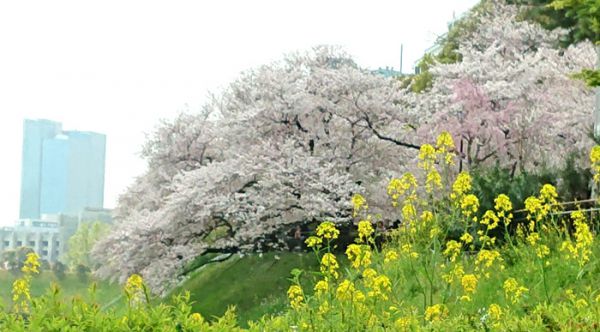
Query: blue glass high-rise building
[{"x": 62, "y": 171}]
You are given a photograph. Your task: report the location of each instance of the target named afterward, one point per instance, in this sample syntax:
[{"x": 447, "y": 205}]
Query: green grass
[
  {"x": 255, "y": 285},
  {"x": 70, "y": 286}
]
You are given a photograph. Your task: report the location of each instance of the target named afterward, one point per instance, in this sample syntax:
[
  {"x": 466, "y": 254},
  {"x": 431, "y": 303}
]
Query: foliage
[
  {"x": 82, "y": 242},
  {"x": 571, "y": 180},
  {"x": 448, "y": 46},
  {"x": 581, "y": 18},
  {"x": 14, "y": 259},
  {"x": 59, "y": 270}
]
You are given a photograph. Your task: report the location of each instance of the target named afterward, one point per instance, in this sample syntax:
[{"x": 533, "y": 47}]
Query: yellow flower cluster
[
  {"x": 452, "y": 250},
  {"x": 365, "y": 231},
  {"x": 390, "y": 256},
  {"x": 313, "y": 241},
  {"x": 582, "y": 248},
  {"x": 495, "y": 312},
  {"x": 539, "y": 207},
  {"x": 485, "y": 260},
  {"x": 469, "y": 283},
  {"x": 21, "y": 295},
  {"x": 32, "y": 263},
  {"x": 427, "y": 157},
  {"x": 321, "y": 287},
  {"x": 134, "y": 288},
  {"x": 503, "y": 207},
  {"x": 406, "y": 185},
  {"x": 436, "y": 312},
  {"x": 347, "y": 292},
  {"x": 407, "y": 250},
  {"x": 466, "y": 238},
  {"x": 296, "y": 296},
  {"x": 490, "y": 219},
  {"x": 329, "y": 265},
  {"x": 512, "y": 290},
  {"x": 542, "y": 251},
  {"x": 456, "y": 273},
  {"x": 469, "y": 204},
  {"x": 445, "y": 145},
  {"x": 379, "y": 285},
  {"x": 359, "y": 255},
  {"x": 595, "y": 160},
  {"x": 358, "y": 203},
  {"x": 461, "y": 186},
  {"x": 327, "y": 230}
]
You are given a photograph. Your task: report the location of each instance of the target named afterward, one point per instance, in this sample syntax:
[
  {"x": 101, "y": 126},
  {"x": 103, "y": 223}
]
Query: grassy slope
[
  {"x": 254, "y": 285},
  {"x": 70, "y": 286}
]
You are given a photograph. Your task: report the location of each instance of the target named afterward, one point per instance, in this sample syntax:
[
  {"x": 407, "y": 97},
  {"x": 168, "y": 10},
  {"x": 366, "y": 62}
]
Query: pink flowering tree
[{"x": 511, "y": 99}]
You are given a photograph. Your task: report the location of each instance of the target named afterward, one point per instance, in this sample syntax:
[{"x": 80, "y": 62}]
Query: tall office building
[{"x": 62, "y": 171}]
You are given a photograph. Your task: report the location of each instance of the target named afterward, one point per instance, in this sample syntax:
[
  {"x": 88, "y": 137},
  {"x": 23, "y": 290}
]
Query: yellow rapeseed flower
[
  {"x": 495, "y": 312},
  {"x": 390, "y": 256},
  {"x": 444, "y": 146},
  {"x": 328, "y": 231},
  {"x": 512, "y": 290},
  {"x": 359, "y": 255},
  {"x": 427, "y": 156},
  {"x": 466, "y": 238},
  {"x": 313, "y": 241},
  {"x": 296, "y": 296},
  {"x": 461, "y": 186},
  {"x": 321, "y": 287},
  {"x": 365, "y": 231},
  {"x": 346, "y": 291},
  {"x": 469, "y": 283},
  {"x": 329, "y": 265},
  {"x": 452, "y": 250},
  {"x": 436, "y": 312},
  {"x": 358, "y": 203},
  {"x": 469, "y": 205},
  {"x": 32, "y": 263},
  {"x": 196, "y": 317},
  {"x": 584, "y": 239},
  {"x": 503, "y": 207},
  {"x": 595, "y": 160},
  {"x": 406, "y": 185},
  {"x": 490, "y": 219}
]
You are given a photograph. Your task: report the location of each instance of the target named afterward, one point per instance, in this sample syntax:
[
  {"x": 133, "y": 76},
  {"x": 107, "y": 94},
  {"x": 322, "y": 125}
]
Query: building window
[
  {"x": 45, "y": 243},
  {"x": 19, "y": 243},
  {"x": 31, "y": 244},
  {"x": 6, "y": 243},
  {"x": 57, "y": 243},
  {"x": 44, "y": 252}
]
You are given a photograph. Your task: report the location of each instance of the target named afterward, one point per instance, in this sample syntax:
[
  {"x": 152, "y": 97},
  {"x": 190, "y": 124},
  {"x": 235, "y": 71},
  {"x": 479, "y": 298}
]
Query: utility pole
[{"x": 401, "y": 51}]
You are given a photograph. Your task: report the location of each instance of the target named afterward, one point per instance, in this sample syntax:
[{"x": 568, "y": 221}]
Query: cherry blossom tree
[
  {"x": 286, "y": 144},
  {"x": 511, "y": 99}
]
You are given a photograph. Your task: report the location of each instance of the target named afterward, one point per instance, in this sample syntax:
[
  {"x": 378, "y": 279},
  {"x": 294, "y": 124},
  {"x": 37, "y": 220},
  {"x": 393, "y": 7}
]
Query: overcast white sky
[{"x": 117, "y": 67}]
